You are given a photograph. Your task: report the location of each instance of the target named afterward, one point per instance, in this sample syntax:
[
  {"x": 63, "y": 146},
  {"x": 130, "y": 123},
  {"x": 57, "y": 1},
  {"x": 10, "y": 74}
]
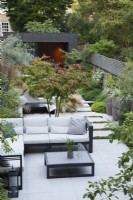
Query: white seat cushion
[
  {"x": 58, "y": 138},
  {"x": 36, "y": 139},
  {"x": 17, "y": 122},
  {"x": 59, "y": 121},
  {"x": 36, "y": 130},
  {"x": 58, "y": 130},
  {"x": 35, "y": 121}
]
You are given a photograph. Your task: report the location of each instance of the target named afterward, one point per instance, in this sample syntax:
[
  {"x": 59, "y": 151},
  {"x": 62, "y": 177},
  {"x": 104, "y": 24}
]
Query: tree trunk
[{"x": 48, "y": 102}]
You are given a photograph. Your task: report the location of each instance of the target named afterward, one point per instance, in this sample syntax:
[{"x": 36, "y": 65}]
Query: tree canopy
[
  {"x": 105, "y": 19},
  {"x": 46, "y": 80},
  {"x": 22, "y": 11},
  {"x": 46, "y": 27}
]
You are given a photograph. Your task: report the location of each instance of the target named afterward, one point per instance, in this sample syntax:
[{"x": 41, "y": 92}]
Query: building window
[{"x": 5, "y": 27}]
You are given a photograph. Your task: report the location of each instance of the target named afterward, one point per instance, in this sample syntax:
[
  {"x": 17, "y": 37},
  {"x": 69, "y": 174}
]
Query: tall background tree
[
  {"x": 46, "y": 27},
  {"x": 22, "y": 11},
  {"x": 13, "y": 55},
  {"x": 108, "y": 20}
]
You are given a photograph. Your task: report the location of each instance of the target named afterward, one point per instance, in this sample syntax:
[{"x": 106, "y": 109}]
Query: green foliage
[
  {"x": 70, "y": 144},
  {"x": 124, "y": 132},
  {"x": 14, "y": 52},
  {"x": 104, "y": 47},
  {"x": 83, "y": 30},
  {"x": 90, "y": 94},
  {"x": 79, "y": 57},
  {"x": 128, "y": 119},
  {"x": 9, "y": 102},
  {"x": 46, "y": 27},
  {"x": 107, "y": 189},
  {"x": 3, "y": 192},
  {"x": 48, "y": 81},
  {"x": 110, "y": 85},
  {"x": 99, "y": 107},
  {"x": 127, "y": 53},
  {"x": 94, "y": 92},
  {"x": 6, "y": 128},
  {"x": 121, "y": 88},
  {"x": 98, "y": 75},
  {"x": 73, "y": 57},
  {"x": 86, "y": 55},
  {"x": 107, "y": 20},
  {"x": 126, "y": 82},
  {"x": 121, "y": 182},
  {"x": 39, "y": 11}
]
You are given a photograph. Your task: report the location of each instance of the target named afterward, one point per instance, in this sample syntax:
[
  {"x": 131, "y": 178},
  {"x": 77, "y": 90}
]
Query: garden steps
[
  {"x": 97, "y": 119},
  {"x": 83, "y": 109},
  {"x": 101, "y": 133},
  {"x": 100, "y": 126}
]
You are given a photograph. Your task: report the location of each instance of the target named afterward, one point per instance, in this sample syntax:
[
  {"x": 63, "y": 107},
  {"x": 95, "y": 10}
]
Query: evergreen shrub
[{"x": 99, "y": 107}]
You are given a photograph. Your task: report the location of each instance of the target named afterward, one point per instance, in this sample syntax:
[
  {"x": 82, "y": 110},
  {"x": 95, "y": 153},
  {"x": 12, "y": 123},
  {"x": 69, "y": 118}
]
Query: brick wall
[{"x": 4, "y": 19}]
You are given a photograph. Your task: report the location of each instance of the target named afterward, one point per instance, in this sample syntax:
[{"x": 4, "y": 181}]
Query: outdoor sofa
[
  {"x": 45, "y": 131},
  {"x": 50, "y": 131}
]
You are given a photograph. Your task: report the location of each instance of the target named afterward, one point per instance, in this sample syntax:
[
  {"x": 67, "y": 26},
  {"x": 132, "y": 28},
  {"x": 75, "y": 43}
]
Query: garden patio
[
  {"x": 105, "y": 155},
  {"x": 51, "y": 58}
]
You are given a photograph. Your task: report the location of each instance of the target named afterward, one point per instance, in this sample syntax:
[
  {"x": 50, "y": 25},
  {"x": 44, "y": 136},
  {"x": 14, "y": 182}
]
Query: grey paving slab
[
  {"x": 100, "y": 126},
  {"x": 101, "y": 133},
  {"x": 88, "y": 114},
  {"x": 105, "y": 156},
  {"x": 37, "y": 186},
  {"x": 97, "y": 119},
  {"x": 84, "y": 109}
]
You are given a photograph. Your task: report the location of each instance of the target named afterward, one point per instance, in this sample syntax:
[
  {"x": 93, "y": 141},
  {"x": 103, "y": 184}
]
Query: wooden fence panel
[{"x": 108, "y": 64}]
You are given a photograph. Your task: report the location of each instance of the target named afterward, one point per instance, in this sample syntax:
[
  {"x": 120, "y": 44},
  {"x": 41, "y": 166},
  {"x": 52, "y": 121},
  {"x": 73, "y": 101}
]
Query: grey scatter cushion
[{"x": 77, "y": 126}]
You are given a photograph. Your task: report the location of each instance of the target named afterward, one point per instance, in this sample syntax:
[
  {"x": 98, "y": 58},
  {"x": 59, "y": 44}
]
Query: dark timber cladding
[
  {"x": 49, "y": 45},
  {"x": 69, "y": 38},
  {"x": 108, "y": 64}
]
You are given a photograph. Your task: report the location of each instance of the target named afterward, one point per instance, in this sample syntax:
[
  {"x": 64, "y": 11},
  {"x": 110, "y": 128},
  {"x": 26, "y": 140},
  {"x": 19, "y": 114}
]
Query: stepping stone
[
  {"x": 84, "y": 109},
  {"x": 103, "y": 133},
  {"x": 97, "y": 119},
  {"x": 99, "y": 126},
  {"x": 93, "y": 114}
]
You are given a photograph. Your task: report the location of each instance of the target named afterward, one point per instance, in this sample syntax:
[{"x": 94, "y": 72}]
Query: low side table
[{"x": 59, "y": 160}]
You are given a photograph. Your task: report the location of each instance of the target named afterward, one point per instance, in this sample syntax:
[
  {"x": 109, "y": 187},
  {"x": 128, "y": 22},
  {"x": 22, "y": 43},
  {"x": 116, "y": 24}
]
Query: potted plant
[{"x": 70, "y": 145}]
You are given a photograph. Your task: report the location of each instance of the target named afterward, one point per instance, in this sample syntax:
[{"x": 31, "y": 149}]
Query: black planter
[
  {"x": 115, "y": 108},
  {"x": 109, "y": 105},
  {"x": 69, "y": 154}
]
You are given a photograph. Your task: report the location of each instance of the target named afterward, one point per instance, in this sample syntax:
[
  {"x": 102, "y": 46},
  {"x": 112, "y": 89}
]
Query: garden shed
[{"x": 49, "y": 44}]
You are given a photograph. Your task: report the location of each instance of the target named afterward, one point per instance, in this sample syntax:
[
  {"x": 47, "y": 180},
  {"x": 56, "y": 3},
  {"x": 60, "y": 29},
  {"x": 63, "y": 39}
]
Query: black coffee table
[{"x": 59, "y": 160}]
